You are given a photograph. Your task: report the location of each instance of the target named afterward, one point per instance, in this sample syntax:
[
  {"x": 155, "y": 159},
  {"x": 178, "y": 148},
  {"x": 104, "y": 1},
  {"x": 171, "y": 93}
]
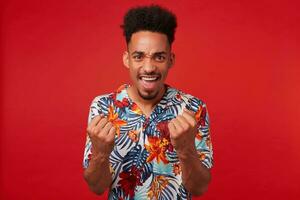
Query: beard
[{"x": 148, "y": 96}]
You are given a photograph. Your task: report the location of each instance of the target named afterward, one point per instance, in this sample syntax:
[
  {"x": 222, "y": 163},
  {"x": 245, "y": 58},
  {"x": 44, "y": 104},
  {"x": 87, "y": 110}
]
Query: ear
[
  {"x": 172, "y": 59},
  {"x": 126, "y": 59}
]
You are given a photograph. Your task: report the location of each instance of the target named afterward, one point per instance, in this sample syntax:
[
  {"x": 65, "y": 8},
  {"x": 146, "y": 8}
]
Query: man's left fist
[{"x": 183, "y": 131}]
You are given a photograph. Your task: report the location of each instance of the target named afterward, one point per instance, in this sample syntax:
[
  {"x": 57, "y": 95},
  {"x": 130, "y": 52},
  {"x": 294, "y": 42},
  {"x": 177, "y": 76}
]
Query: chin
[{"x": 148, "y": 96}]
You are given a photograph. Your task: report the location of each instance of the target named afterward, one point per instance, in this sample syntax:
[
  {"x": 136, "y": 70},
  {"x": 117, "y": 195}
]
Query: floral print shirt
[{"x": 144, "y": 164}]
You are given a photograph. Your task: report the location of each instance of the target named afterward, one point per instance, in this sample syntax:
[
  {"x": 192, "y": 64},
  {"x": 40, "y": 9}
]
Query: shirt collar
[{"x": 122, "y": 93}]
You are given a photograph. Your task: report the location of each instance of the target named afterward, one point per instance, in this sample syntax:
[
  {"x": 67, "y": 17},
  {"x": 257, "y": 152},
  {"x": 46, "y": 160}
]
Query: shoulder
[
  {"x": 103, "y": 98},
  {"x": 191, "y": 102},
  {"x": 103, "y": 101}
]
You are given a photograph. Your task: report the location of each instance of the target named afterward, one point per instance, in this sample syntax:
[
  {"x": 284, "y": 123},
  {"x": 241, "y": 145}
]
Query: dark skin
[
  {"x": 148, "y": 59},
  {"x": 148, "y": 55},
  {"x": 102, "y": 135},
  {"x": 195, "y": 175}
]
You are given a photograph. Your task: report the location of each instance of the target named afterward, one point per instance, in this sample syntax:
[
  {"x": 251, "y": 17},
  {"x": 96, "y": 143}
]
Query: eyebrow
[{"x": 155, "y": 53}]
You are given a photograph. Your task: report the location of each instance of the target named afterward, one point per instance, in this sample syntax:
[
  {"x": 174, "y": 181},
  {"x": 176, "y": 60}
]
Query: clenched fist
[
  {"x": 102, "y": 134},
  {"x": 183, "y": 130}
]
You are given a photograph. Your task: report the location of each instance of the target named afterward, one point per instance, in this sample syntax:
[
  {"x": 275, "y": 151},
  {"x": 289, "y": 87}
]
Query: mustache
[{"x": 150, "y": 74}]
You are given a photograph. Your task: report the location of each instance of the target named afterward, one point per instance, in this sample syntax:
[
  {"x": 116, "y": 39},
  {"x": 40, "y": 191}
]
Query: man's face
[{"x": 148, "y": 58}]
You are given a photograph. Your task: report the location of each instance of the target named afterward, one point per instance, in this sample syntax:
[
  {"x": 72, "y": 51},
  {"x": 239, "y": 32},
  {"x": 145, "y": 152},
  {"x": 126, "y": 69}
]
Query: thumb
[{"x": 190, "y": 112}]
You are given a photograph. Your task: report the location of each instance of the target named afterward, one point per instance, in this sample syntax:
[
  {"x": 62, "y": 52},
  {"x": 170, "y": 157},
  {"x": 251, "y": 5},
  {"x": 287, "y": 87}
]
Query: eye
[
  {"x": 160, "y": 58},
  {"x": 138, "y": 57}
]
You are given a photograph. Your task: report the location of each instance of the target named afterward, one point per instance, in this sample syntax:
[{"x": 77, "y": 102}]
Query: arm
[
  {"x": 97, "y": 174},
  {"x": 195, "y": 175}
]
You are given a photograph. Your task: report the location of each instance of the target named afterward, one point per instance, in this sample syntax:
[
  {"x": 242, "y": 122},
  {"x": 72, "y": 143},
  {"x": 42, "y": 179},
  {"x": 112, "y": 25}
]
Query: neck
[{"x": 145, "y": 105}]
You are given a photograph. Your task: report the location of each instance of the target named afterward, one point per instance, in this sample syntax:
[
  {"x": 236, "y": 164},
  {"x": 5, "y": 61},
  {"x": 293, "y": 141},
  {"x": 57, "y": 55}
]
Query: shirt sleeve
[
  {"x": 94, "y": 110},
  {"x": 203, "y": 139}
]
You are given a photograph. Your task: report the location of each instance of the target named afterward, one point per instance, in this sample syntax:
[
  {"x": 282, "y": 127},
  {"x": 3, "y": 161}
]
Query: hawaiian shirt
[{"x": 144, "y": 164}]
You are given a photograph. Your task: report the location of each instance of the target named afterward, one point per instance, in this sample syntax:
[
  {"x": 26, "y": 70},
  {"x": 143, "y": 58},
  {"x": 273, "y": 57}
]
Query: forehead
[{"x": 149, "y": 42}]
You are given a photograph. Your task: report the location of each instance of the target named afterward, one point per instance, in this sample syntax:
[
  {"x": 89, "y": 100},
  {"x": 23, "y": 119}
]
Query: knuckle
[
  {"x": 194, "y": 123},
  {"x": 185, "y": 127},
  {"x": 100, "y": 138},
  {"x": 103, "y": 132},
  {"x": 109, "y": 124},
  {"x": 108, "y": 140},
  {"x": 104, "y": 119},
  {"x": 112, "y": 139},
  {"x": 169, "y": 126},
  {"x": 179, "y": 129},
  {"x": 174, "y": 136},
  {"x": 88, "y": 129},
  {"x": 95, "y": 119},
  {"x": 94, "y": 130}
]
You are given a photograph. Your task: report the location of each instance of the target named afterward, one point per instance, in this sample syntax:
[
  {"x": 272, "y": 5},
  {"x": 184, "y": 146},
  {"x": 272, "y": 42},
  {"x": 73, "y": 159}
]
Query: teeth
[{"x": 149, "y": 78}]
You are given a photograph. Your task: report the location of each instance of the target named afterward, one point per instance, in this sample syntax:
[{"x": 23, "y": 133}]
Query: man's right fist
[{"x": 102, "y": 134}]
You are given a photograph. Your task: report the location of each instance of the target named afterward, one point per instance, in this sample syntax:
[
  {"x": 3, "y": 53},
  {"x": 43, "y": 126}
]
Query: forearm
[
  {"x": 195, "y": 175},
  {"x": 98, "y": 175}
]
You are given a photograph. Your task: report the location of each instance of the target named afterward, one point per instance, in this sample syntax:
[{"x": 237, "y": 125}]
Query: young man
[{"x": 148, "y": 140}]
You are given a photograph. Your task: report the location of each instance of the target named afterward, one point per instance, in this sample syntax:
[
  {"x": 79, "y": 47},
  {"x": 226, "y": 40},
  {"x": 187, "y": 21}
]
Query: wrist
[
  {"x": 187, "y": 153},
  {"x": 99, "y": 157}
]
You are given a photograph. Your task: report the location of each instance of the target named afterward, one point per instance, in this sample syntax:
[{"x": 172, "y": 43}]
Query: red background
[{"x": 240, "y": 57}]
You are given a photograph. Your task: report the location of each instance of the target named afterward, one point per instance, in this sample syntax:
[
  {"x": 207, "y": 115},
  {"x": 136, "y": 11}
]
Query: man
[{"x": 148, "y": 140}]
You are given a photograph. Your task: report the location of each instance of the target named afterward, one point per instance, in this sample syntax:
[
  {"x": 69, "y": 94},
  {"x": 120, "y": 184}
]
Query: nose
[{"x": 148, "y": 65}]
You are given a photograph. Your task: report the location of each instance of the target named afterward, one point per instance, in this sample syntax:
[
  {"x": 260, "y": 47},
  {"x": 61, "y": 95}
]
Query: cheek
[
  {"x": 133, "y": 72},
  {"x": 165, "y": 71}
]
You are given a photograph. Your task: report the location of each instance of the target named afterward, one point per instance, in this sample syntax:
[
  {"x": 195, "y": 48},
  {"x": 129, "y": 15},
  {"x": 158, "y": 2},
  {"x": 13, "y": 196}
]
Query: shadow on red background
[{"x": 241, "y": 58}]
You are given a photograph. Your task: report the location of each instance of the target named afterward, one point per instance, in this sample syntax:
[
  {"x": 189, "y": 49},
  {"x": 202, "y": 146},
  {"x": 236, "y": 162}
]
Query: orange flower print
[
  {"x": 157, "y": 185},
  {"x": 201, "y": 155},
  {"x": 134, "y": 135},
  {"x": 178, "y": 96},
  {"x": 90, "y": 156},
  {"x": 129, "y": 180},
  {"x": 200, "y": 115},
  {"x": 113, "y": 118},
  {"x": 122, "y": 87},
  {"x": 208, "y": 143},
  {"x": 136, "y": 109},
  {"x": 162, "y": 127},
  {"x": 199, "y": 136},
  {"x": 157, "y": 148},
  {"x": 111, "y": 170},
  {"x": 122, "y": 104},
  {"x": 176, "y": 169}
]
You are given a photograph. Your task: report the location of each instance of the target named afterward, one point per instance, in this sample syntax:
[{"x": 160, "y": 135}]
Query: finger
[
  {"x": 182, "y": 119},
  {"x": 177, "y": 124},
  {"x": 190, "y": 112},
  {"x": 190, "y": 119},
  {"x": 183, "y": 122},
  {"x": 111, "y": 134},
  {"x": 92, "y": 125},
  {"x": 171, "y": 127},
  {"x": 106, "y": 128},
  {"x": 95, "y": 121},
  {"x": 101, "y": 124}
]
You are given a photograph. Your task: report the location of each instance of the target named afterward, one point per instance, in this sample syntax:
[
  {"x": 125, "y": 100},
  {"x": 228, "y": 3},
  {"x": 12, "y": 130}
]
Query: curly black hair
[{"x": 149, "y": 18}]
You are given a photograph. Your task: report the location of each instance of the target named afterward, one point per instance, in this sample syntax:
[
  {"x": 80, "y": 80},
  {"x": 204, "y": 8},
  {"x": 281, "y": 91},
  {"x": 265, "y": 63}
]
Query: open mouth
[
  {"x": 149, "y": 78},
  {"x": 149, "y": 82}
]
